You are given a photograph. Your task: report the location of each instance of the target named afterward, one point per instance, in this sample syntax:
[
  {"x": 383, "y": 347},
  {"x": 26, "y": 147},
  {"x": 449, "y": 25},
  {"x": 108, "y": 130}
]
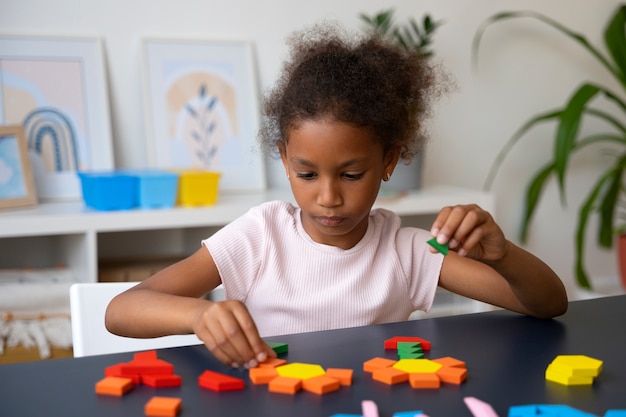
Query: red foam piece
[
  {"x": 393, "y": 342},
  {"x": 160, "y": 381},
  {"x": 146, "y": 367},
  {"x": 215, "y": 381}
]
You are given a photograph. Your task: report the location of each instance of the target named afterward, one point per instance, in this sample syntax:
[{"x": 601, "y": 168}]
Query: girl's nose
[{"x": 328, "y": 194}]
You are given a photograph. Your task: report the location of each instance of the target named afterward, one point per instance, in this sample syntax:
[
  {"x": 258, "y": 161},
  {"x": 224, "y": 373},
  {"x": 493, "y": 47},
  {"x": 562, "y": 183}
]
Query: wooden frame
[
  {"x": 56, "y": 88},
  {"x": 202, "y": 109},
  {"x": 17, "y": 186}
]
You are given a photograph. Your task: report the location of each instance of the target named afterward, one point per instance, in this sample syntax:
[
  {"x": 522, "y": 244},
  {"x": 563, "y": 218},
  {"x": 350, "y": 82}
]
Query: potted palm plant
[{"x": 607, "y": 193}]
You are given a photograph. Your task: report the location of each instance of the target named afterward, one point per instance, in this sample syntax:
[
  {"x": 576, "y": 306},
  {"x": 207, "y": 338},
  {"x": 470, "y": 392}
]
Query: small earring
[
  {"x": 387, "y": 177},
  {"x": 288, "y": 177}
]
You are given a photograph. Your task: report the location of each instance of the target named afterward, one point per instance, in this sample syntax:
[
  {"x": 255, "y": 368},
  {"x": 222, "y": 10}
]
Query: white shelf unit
[{"x": 67, "y": 233}]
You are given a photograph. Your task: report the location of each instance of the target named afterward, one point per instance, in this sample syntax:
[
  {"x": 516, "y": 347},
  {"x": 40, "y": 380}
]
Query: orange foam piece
[
  {"x": 392, "y": 343},
  {"x": 390, "y": 375},
  {"x": 272, "y": 363},
  {"x": 452, "y": 375},
  {"x": 262, "y": 375},
  {"x": 163, "y": 406},
  {"x": 450, "y": 361},
  {"x": 424, "y": 381},
  {"x": 161, "y": 381},
  {"x": 377, "y": 363},
  {"x": 113, "y": 385},
  {"x": 215, "y": 381},
  {"x": 285, "y": 385},
  {"x": 321, "y": 384},
  {"x": 344, "y": 376}
]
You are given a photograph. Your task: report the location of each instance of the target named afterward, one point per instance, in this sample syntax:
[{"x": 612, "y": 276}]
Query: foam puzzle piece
[
  {"x": 407, "y": 413},
  {"x": 424, "y": 381},
  {"x": 452, "y": 375},
  {"x": 443, "y": 249},
  {"x": 272, "y": 362},
  {"x": 615, "y": 413},
  {"x": 260, "y": 376},
  {"x": 300, "y": 370},
  {"x": 417, "y": 365},
  {"x": 117, "y": 370},
  {"x": 285, "y": 385},
  {"x": 144, "y": 367},
  {"x": 113, "y": 385},
  {"x": 450, "y": 361},
  {"x": 377, "y": 363},
  {"x": 392, "y": 343},
  {"x": 479, "y": 408},
  {"x": 369, "y": 408},
  {"x": 148, "y": 355},
  {"x": 278, "y": 347},
  {"x": 163, "y": 407},
  {"x": 578, "y": 365},
  {"x": 343, "y": 375},
  {"x": 162, "y": 381},
  {"x": 564, "y": 379},
  {"x": 560, "y": 410},
  {"x": 346, "y": 415},
  {"x": 390, "y": 375},
  {"x": 321, "y": 384},
  {"x": 216, "y": 381}
]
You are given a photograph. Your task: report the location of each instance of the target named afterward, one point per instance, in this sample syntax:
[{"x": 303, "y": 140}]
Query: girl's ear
[{"x": 391, "y": 160}]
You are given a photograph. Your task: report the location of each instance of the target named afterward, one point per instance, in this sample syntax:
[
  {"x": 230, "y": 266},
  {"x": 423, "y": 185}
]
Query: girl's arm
[
  {"x": 483, "y": 265},
  {"x": 171, "y": 302}
]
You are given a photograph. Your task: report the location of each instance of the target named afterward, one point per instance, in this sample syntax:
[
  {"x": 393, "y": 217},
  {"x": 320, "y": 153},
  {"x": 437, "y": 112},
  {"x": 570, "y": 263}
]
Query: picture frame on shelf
[
  {"x": 17, "y": 186},
  {"x": 202, "y": 109},
  {"x": 56, "y": 88}
]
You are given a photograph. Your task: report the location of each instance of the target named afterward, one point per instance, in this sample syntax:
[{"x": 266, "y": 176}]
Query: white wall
[{"x": 524, "y": 68}]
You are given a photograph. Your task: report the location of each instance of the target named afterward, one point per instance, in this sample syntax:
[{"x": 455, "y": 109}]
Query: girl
[{"x": 341, "y": 116}]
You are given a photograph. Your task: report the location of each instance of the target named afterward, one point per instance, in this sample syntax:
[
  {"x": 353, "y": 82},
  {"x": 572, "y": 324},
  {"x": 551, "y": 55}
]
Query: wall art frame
[
  {"x": 56, "y": 87},
  {"x": 202, "y": 109},
  {"x": 17, "y": 185}
]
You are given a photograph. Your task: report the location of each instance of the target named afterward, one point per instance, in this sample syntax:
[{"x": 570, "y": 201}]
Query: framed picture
[
  {"x": 17, "y": 187},
  {"x": 56, "y": 88},
  {"x": 202, "y": 109}
]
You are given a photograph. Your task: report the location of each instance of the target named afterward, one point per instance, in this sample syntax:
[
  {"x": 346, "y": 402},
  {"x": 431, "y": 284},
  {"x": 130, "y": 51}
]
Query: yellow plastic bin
[{"x": 198, "y": 187}]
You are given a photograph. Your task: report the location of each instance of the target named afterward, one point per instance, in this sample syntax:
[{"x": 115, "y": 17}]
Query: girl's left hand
[{"x": 470, "y": 231}]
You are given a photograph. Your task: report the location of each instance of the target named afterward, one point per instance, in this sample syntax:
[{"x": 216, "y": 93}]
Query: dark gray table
[{"x": 506, "y": 356}]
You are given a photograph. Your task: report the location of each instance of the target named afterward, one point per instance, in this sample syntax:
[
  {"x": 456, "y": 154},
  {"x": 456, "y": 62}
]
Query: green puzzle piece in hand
[{"x": 440, "y": 248}]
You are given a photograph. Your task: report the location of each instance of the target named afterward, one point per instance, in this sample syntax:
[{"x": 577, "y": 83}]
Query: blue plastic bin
[
  {"x": 156, "y": 188},
  {"x": 109, "y": 190}
]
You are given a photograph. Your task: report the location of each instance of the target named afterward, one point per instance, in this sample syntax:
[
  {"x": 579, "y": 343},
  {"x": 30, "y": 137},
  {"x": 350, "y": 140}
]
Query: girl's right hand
[{"x": 228, "y": 331}]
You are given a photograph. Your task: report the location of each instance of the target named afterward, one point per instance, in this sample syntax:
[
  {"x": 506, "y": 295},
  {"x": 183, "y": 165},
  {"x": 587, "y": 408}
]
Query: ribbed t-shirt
[{"x": 292, "y": 284}]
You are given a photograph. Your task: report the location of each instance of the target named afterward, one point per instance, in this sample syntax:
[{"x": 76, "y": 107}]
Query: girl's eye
[
  {"x": 353, "y": 177},
  {"x": 306, "y": 175}
]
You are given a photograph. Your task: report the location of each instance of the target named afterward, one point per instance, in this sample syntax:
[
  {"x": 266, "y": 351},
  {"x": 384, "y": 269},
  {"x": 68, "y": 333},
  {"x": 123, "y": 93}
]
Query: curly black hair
[{"x": 365, "y": 80}]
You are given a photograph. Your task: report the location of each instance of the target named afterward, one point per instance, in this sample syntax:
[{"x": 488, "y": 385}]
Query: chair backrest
[{"x": 88, "y": 303}]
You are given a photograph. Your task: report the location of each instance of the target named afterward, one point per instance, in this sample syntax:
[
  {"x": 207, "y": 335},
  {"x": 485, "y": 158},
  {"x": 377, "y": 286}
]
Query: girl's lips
[{"x": 330, "y": 221}]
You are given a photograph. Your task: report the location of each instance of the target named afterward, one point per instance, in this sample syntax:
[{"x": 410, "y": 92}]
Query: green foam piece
[
  {"x": 440, "y": 248},
  {"x": 406, "y": 355},
  {"x": 278, "y": 347}
]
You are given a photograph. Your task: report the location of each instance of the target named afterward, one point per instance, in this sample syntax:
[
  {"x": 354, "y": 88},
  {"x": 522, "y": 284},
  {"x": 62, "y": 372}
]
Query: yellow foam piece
[
  {"x": 417, "y": 366},
  {"x": 577, "y": 365},
  {"x": 300, "y": 370},
  {"x": 565, "y": 379}
]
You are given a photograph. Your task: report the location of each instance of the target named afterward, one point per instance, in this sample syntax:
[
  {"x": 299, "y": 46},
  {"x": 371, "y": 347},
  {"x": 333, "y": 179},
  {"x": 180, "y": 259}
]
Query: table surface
[{"x": 506, "y": 356}]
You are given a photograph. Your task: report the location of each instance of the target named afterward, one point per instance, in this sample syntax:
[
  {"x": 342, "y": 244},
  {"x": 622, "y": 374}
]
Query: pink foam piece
[
  {"x": 479, "y": 408},
  {"x": 369, "y": 408}
]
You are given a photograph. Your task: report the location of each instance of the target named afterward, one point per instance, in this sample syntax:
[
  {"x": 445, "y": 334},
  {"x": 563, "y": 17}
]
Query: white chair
[{"x": 88, "y": 303}]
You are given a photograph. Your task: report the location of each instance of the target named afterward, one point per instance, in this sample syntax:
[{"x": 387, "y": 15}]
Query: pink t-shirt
[{"x": 291, "y": 284}]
